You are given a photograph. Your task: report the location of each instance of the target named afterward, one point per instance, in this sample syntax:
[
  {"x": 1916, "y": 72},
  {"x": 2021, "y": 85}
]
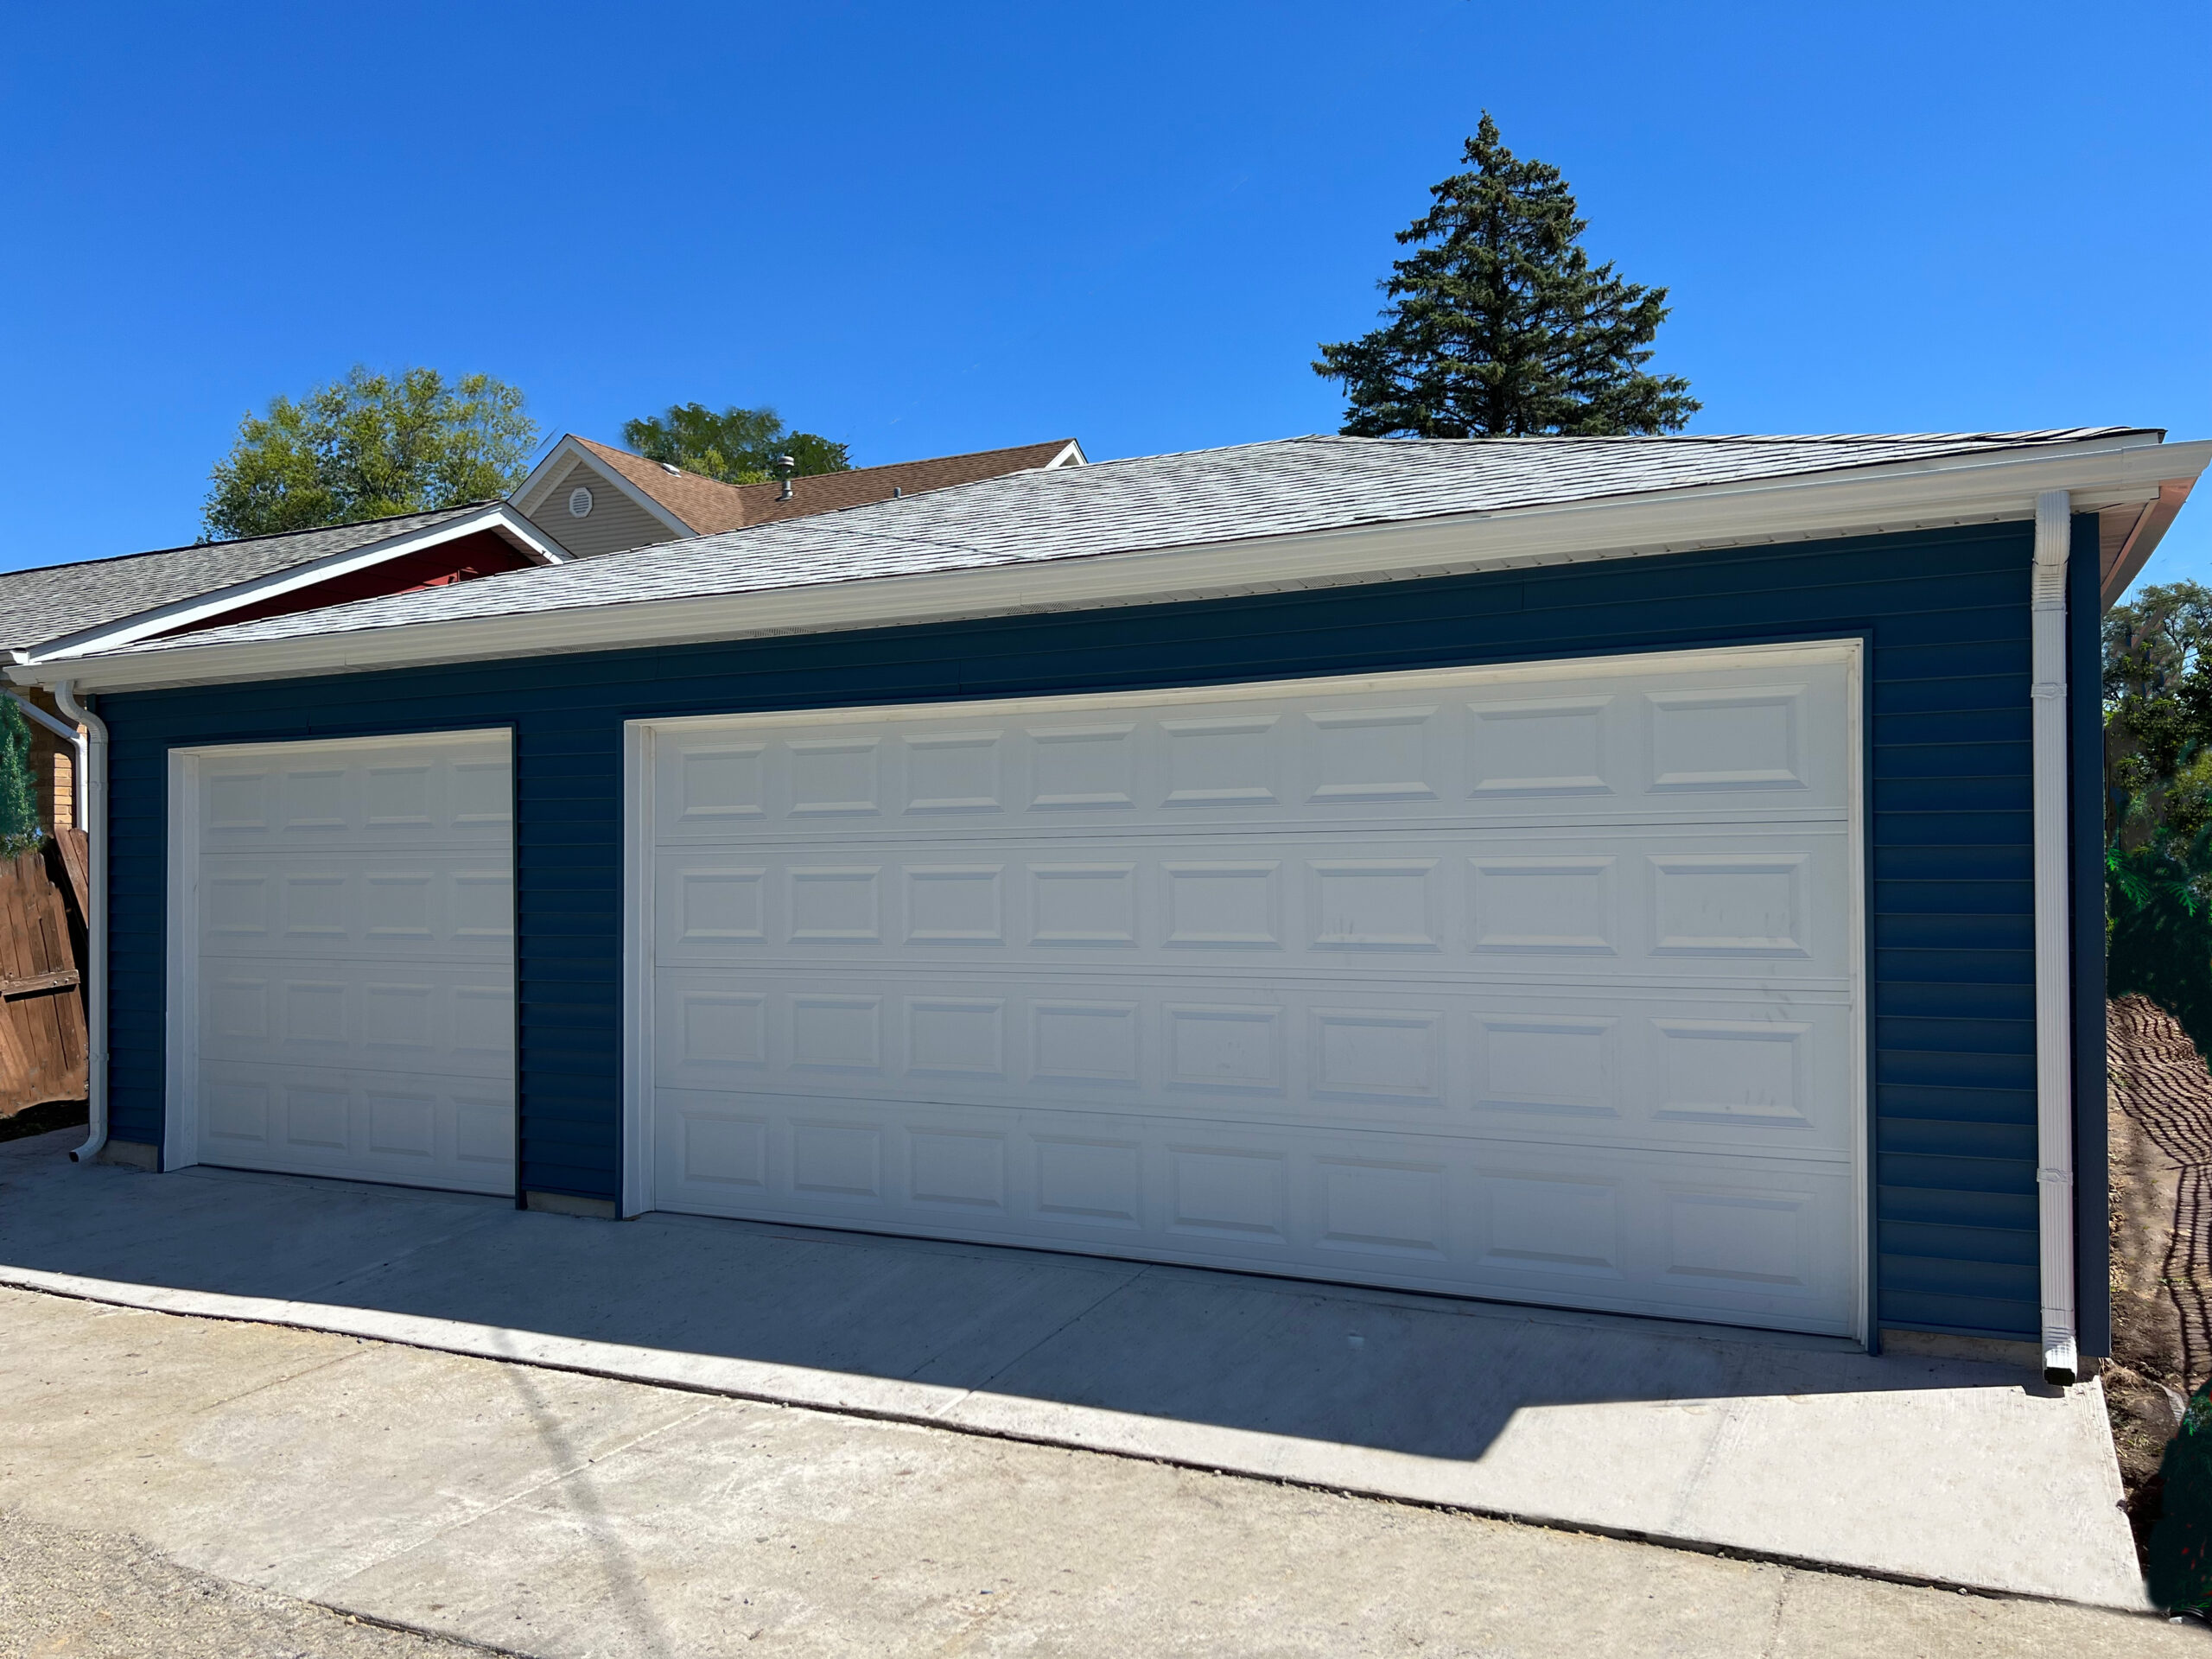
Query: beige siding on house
[{"x": 614, "y": 523}]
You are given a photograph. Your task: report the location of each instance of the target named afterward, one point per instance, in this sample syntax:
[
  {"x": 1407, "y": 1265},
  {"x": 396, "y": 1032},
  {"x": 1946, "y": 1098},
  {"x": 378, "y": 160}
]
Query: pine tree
[{"x": 1499, "y": 326}]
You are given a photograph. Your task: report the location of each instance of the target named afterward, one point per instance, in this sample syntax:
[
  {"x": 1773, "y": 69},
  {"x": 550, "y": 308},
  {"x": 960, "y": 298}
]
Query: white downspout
[
  {"x": 74, "y": 739},
  {"x": 94, "y": 822},
  {"x": 2054, "y": 951}
]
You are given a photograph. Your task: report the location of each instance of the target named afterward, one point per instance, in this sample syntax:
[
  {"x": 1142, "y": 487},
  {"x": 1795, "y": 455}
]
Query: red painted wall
[{"x": 463, "y": 559}]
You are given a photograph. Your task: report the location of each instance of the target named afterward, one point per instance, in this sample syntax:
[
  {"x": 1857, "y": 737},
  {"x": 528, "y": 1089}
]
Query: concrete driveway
[{"x": 1796, "y": 1449}]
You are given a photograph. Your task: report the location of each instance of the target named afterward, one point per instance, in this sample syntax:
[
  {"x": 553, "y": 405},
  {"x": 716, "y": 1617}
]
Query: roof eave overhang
[
  {"x": 206, "y": 609},
  {"x": 1982, "y": 488}
]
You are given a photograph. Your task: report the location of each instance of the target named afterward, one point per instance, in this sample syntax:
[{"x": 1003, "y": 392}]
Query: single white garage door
[
  {"x": 343, "y": 979},
  {"x": 1538, "y": 984}
]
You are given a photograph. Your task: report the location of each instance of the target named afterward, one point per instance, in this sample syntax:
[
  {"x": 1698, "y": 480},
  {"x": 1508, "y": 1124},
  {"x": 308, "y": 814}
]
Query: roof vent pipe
[
  {"x": 784, "y": 468},
  {"x": 2054, "y": 953}
]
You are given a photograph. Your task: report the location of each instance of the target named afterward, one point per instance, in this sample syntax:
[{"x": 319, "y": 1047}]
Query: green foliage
[
  {"x": 21, "y": 827},
  {"x": 2158, "y": 709},
  {"x": 1499, "y": 326},
  {"x": 369, "y": 446},
  {"x": 739, "y": 446},
  {"x": 2179, "y": 1572}
]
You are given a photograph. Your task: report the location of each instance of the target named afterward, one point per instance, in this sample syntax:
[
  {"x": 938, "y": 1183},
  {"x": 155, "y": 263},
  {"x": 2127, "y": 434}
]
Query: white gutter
[
  {"x": 69, "y": 735},
  {"x": 2054, "y": 952},
  {"x": 94, "y": 824}
]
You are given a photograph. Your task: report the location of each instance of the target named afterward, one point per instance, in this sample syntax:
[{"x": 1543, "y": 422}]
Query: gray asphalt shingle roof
[
  {"x": 56, "y": 600},
  {"x": 1273, "y": 489}
]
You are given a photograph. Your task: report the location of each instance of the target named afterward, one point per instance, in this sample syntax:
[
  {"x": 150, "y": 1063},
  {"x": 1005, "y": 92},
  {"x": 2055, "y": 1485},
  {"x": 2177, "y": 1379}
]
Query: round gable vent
[{"x": 579, "y": 502}]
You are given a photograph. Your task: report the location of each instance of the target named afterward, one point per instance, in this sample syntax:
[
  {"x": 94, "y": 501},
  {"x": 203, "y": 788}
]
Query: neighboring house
[
  {"x": 595, "y": 498},
  {"x": 99, "y": 604},
  {"x": 1656, "y": 875}
]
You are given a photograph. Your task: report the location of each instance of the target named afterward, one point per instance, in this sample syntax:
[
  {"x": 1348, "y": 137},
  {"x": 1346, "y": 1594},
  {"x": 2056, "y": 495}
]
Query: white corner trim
[
  {"x": 2054, "y": 953},
  {"x": 207, "y": 607},
  {"x": 1070, "y": 455},
  {"x": 530, "y": 496}
]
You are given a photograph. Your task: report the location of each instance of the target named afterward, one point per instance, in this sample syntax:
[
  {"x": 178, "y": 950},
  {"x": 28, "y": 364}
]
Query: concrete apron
[{"x": 1932, "y": 1470}]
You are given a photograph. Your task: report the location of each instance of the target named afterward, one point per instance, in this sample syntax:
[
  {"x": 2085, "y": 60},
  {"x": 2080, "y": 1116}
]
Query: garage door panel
[
  {"x": 376, "y": 794},
  {"x": 1591, "y": 1065},
  {"x": 1678, "y": 746},
  {"x": 435, "y": 904},
  {"x": 351, "y": 974},
  {"x": 1538, "y": 982},
  {"x": 419, "y": 1128},
  {"x": 378, "y": 1015},
  {"x": 1682, "y": 1233},
  {"x": 1648, "y": 900}
]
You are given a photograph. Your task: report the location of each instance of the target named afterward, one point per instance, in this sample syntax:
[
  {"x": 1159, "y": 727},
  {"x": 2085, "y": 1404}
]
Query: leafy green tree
[
  {"x": 1498, "y": 325},
  {"x": 2157, "y": 708},
  {"x": 21, "y": 827},
  {"x": 369, "y": 446},
  {"x": 738, "y": 446}
]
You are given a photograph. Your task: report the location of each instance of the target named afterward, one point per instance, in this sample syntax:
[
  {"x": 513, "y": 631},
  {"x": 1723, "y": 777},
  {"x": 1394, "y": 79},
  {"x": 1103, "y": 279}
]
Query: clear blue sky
[{"x": 925, "y": 229}]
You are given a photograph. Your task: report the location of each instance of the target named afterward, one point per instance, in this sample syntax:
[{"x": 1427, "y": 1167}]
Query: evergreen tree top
[{"x": 1498, "y": 325}]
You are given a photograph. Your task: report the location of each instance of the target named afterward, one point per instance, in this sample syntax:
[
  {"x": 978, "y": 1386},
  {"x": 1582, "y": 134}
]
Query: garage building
[{"x": 1657, "y": 875}]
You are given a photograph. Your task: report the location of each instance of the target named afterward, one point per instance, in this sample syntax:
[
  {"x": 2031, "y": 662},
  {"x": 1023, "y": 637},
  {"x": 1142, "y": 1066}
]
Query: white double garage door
[{"x": 1539, "y": 983}]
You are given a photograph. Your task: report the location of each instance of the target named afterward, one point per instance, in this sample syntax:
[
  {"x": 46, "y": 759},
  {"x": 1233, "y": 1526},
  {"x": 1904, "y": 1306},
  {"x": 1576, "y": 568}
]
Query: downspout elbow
[{"x": 94, "y": 797}]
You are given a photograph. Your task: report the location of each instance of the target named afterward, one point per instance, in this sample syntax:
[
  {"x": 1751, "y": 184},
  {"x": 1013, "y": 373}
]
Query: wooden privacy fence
[{"x": 42, "y": 1046}]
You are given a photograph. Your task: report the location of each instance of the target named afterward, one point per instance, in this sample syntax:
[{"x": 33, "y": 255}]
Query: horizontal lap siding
[{"x": 1950, "y": 913}]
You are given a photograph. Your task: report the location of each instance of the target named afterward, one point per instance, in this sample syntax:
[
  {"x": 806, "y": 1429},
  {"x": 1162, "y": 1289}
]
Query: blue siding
[{"x": 1950, "y": 924}]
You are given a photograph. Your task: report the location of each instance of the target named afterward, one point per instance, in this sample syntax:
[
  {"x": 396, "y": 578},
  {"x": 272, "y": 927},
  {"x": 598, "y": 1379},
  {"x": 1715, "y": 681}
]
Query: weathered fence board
[{"x": 42, "y": 1042}]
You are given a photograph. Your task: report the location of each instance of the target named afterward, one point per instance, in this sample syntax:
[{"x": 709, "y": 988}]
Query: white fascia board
[
  {"x": 546, "y": 473},
  {"x": 1072, "y": 455},
  {"x": 1984, "y": 488},
  {"x": 202, "y": 608}
]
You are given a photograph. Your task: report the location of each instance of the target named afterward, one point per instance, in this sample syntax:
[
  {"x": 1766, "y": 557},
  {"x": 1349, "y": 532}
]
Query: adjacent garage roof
[
  {"x": 1238, "y": 493},
  {"x": 59, "y": 599}
]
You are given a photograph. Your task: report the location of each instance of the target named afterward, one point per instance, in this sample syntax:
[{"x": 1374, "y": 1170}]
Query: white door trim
[
  {"x": 181, "y": 1108},
  {"x": 639, "y": 1139}
]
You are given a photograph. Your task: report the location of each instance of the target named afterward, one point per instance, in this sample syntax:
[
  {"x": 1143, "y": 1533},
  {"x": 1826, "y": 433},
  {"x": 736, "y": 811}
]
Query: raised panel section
[
  {"x": 1083, "y": 905},
  {"x": 1724, "y": 904},
  {"x": 1547, "y": 1064},
  {"x": 836, "y": 777},
  {"x": 1084, "y": 1042},
  {"x": 956, "y": 904},
  {"x": 1374, "y": 754},
  {"x": 1728, "y": 739},
  {"x": 1374, "y": 905},
  {"x": 953, "y": 772},
  {"x": 1539, "y": 746},
  {"x": 1224, "y": 1048},
  {"x": 1546, "y": 906},
  {"x": 1230, "y": 761},
  {"x": 1224, "y": 906},
  {"x": 1083, "y": 768},
  {"x": 1380, "y": 1209}
]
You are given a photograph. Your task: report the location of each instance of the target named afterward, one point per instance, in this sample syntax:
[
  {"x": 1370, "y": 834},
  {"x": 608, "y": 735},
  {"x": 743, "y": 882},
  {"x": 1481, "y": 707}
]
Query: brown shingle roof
[{"x": 710, "y": 506}]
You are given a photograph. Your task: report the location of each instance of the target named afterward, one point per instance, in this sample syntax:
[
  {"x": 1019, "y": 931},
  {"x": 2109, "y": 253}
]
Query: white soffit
[{"x": 1977, "y": 487}]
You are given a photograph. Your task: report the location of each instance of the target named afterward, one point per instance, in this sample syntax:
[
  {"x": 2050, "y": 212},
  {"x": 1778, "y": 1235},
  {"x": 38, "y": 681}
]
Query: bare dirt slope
[{"x": 2160, "y": 1126}]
